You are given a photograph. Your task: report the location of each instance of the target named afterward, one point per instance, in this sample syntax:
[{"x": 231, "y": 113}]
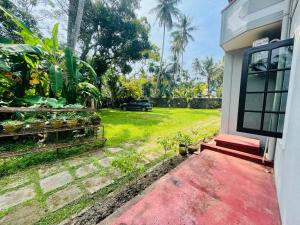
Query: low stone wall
[{"x": 196, "y": 103}]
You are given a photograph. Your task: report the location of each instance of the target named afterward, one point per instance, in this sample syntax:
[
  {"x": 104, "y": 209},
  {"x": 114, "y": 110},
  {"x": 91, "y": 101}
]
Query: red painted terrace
[{"x": 228, "y": 183}]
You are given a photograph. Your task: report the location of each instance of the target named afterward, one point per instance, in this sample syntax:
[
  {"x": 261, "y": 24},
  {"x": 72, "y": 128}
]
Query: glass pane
[
  {"x": 258, "y": 61},
  {"x": 281, "y": 57},
  {"x": 270, "y": 122},
  {"x": 256, "y": 82},
  {"x": 283, "y": 102},
  {"x": 279, "y": 81},
  {"x": 254, "y": 102},
  {"x": 280, "y": 123},
  {"x": 252, "y": 120}
]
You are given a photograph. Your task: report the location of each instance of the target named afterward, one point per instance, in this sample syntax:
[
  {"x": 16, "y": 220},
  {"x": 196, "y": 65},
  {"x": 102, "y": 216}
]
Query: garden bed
[{"x": 116, "y": 199}]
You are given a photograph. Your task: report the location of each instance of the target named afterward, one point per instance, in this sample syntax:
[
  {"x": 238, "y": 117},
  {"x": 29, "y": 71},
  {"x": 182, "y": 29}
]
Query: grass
[
  {"x": 161, "y": 122},
  {"x": 126, "y": 126},
  {"x": 136, "y": 132}
]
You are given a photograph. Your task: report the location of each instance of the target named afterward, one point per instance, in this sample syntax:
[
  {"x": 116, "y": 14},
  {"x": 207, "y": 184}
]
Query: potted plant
[
  {"x": 12, "y": 126},
  {"x": 95, "y": 119},
  {"x": 35, "y": 124},
  {"x": 184, "y": 141},
  {"x": 82, "y": 120},
  {"x": 55, "y": 122},
  {"x": 71, "y": 122}
]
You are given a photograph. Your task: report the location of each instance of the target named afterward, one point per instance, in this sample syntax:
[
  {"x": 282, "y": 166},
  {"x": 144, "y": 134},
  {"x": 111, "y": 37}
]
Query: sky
[{"x": 205, "y": 14}]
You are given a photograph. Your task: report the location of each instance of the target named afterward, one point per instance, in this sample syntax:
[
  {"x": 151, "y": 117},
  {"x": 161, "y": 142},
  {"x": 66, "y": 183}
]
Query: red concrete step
[
  {"x": 238, "y": 154},
  {"x": 248, "y": 145}
]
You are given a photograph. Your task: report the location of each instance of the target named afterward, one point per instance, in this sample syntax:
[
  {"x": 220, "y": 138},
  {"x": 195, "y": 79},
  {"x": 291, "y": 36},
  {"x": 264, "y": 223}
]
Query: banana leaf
[
  {"x": 56, "y": 79},
  {"x": 15, "y": 49},
  {"x": 89, "y": 67},
  {"x": 70, "y": 67},
  {"x": 4, "y": 66}
]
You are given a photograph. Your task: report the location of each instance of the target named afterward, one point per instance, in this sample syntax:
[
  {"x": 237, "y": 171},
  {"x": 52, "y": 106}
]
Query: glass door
[{"x": 264, "y": 88}]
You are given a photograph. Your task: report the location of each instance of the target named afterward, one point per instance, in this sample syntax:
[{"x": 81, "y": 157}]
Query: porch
[{"x": 209, "y": 188}]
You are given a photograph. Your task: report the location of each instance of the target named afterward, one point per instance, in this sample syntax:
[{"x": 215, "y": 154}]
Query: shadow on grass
[{"x": 135, "y": 118}]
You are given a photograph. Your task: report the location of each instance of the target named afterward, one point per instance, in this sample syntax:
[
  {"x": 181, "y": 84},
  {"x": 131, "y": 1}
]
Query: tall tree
[
  {"x": 212, "y": 72},
  {"x": 75, "y": 14},
  {"x": 183, "y": 35},
  {"x": 114, "y": 34},
  {"x": 165, "y": 11}
]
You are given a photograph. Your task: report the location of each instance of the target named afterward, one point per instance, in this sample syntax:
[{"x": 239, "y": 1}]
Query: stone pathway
[{"x": 26, "y": 198}]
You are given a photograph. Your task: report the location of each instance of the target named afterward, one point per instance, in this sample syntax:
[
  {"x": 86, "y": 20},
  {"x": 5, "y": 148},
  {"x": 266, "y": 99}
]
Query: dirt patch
[{"x": 116, "y": 199}]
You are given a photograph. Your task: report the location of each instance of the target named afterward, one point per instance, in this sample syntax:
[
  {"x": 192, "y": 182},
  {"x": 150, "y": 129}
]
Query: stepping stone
[
  {"x": 13, "y": 198},
  {"x": 105, "y": 162},
  {"x": 53, "y": 182},
  {"x": 152, "y": 156},
  {"x": 94, "y": 184},
  {"x": 85, "y": 170},
  {"x": 49, "y": 170},
  {"x": 115, "y": 150},
  {"x": 63, "y": 198},
  {"x": 13, "y": 182},
  {"x": 76, "y": 162},
  {"x": 99, "y": 154},
  {"x": 26, "y": 215},
  {"x": 128, "y": 145}
]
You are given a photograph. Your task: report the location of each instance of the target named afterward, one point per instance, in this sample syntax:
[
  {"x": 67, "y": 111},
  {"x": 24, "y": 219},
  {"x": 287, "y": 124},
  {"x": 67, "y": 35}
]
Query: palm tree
[
  {"x": 183, "y": 35},
  {"x": 165, "y": 12},
  {"x": 176, "y": 48},
  {"x": 206, "y": 68}
]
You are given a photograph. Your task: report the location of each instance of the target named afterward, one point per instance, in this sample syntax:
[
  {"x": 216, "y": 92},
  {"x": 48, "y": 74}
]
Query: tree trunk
[
  {"x": 158, "y": 84},
  {"x": 71, "y": 21},
  {"x": 74, "y": 22}
]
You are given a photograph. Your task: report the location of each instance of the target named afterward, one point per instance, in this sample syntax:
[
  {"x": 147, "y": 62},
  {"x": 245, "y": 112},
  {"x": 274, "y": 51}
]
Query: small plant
[
  {"x": 129, "y": 162},
  {"x": 166, "y": 143},
  {"x": 35, "y": 123},
  {"x": 55, "y": 121},
  {"x": 183, "y": 139},
  {"x": 95, "y": 119}
]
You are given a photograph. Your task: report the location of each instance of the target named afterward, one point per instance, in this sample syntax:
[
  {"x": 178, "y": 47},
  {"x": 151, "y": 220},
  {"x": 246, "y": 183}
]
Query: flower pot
[
  {"x": 96, "y": 120},
  {"x": 182, "y": 149},
  {"x": 71, "y": 123},
  {"x": 82, "y": 121},
  {"x": 12, "y": 128},
  {"x": 192, "y": 149},
  {"x": 56, "y": 124},
  {"x": 37, "y": 125}
]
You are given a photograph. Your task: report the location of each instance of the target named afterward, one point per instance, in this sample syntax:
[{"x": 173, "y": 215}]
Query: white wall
[
  {"x": 231, "y": 91},
  {"x": 287, "y": 158},
  {"x": 245, "y": 15}
]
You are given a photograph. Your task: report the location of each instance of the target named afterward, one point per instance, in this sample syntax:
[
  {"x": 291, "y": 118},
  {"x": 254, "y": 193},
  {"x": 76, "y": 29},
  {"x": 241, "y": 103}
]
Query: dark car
[{"x": 142, "y": 104}]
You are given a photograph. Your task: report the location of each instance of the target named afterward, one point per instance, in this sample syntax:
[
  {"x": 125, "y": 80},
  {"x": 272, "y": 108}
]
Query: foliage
[
  {"x": 43, "y": 68},
  {"x": 129, "y": 162},
  {"x": 7, "y": 26},
  {"x": 167, "y": 143},
  {"x": 212, "y": 72},
  {"x": 130, "y": 89},
  {"x": 165, "y": 11},
  {"x": 114, "y": 34},
  {"x": 183, "y": 139}
]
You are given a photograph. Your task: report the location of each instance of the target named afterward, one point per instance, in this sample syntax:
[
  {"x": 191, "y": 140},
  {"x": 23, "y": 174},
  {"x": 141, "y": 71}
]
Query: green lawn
[
  {"x": 147, "y": 127},
  {"x": 135, "y": 133}
]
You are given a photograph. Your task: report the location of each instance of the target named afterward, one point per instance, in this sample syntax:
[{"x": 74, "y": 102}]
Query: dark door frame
[{"x": 243, "y": 87}]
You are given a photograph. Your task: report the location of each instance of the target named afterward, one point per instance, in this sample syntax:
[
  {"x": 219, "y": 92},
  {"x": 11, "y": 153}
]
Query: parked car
[{"x": 141, "y": 104}]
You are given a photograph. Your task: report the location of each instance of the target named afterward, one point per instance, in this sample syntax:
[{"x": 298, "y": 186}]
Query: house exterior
[{"x": 261, "y": 97}]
